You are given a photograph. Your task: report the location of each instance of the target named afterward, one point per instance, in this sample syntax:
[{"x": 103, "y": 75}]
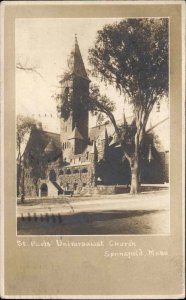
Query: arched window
[
  {"x": 61, "y": 172},
  {"x": 68, "y": 171},
  {"x": 84, "y": 170},
  {"x": 44, "y": 190},
  {"x": 75, "y": 186},
  {"x": 52, "y": 175},
  {"x": 75, "y": 171}
]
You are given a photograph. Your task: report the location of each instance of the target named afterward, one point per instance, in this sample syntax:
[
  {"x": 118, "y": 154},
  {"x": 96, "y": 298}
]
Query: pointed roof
[
  {"x": 50, "y": 147},
  {"x": 99, "y": 130},
  {"x": 76, "y": 134},
  {"x": 75, "y": 62}
]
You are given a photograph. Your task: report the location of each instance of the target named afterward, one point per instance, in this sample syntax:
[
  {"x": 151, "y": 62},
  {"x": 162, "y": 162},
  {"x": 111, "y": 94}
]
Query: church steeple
[
  {"x": 75, "y": 62},
  {"x": 75, "y": 83}
]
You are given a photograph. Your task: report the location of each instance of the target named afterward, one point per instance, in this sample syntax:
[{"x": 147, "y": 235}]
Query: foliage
[
  {"x": 133, "y": 55},
  {"x": 24, "y": 127},
  {"x": 127, "y": 137}
]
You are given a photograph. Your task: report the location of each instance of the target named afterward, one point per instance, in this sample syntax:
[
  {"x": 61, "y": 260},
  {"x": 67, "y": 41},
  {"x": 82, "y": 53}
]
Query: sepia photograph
[
  {"x": 92, "y": 126},
  {"x": 92, "y": 150}
]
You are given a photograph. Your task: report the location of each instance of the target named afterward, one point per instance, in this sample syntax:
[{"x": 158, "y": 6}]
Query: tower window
[
  {"x": 68, "y": 171},
  {"x": 75, "y": 186}
]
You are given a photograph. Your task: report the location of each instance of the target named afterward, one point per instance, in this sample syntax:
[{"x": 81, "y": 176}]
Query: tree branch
[
  {"x": 28, "y": 69},
  {"x": 106, "y": 110}
]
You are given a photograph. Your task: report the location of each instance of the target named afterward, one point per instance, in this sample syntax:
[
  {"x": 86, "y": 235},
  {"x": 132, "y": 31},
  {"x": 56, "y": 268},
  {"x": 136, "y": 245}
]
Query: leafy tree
[
  {"x": 24, "y": 127},
  {"x": 132, "y": 55}
]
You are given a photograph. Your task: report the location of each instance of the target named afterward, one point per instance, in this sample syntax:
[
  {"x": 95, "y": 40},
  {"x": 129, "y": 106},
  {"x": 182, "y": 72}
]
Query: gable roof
[
  {"x": 101, "y": 131},
  {"x": 76, "y": 134},
  {"x": 51, "y": 147},
  {"x": 40, "y": 140}
]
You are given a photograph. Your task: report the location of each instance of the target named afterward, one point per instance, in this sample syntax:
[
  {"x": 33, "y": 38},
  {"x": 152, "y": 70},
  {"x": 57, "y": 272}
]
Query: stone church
[{"x": 79, "y": 159}]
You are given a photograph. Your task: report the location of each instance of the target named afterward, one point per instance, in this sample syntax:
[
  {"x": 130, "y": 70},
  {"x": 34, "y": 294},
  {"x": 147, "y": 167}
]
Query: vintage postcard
[{"x": 92, "y": 154}]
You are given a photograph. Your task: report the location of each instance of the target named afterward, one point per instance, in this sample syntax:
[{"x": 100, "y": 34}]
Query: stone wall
[
  {"x": 75, "y": 182},
  {"x": 105, "y": 190}
]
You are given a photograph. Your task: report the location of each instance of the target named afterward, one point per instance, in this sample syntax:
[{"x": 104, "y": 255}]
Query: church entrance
[{"x": 44, "y": 190}]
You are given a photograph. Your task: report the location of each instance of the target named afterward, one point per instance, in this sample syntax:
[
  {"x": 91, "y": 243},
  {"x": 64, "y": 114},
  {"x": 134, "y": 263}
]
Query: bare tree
[{"x": 28, "y": 68}]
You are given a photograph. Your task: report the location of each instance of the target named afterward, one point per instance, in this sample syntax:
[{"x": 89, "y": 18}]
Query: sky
[{"x": 46, "y": 45}]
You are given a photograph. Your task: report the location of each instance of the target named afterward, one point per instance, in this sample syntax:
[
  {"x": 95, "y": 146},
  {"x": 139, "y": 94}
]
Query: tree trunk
[
  {"x": 22, "y": 183},
  {"x": 134, "y": 164},
  {"x": 134, "y": 188}
]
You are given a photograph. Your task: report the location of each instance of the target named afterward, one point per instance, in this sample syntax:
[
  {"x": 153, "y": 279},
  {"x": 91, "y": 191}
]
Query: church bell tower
[{"x": 74, "y": 84}]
